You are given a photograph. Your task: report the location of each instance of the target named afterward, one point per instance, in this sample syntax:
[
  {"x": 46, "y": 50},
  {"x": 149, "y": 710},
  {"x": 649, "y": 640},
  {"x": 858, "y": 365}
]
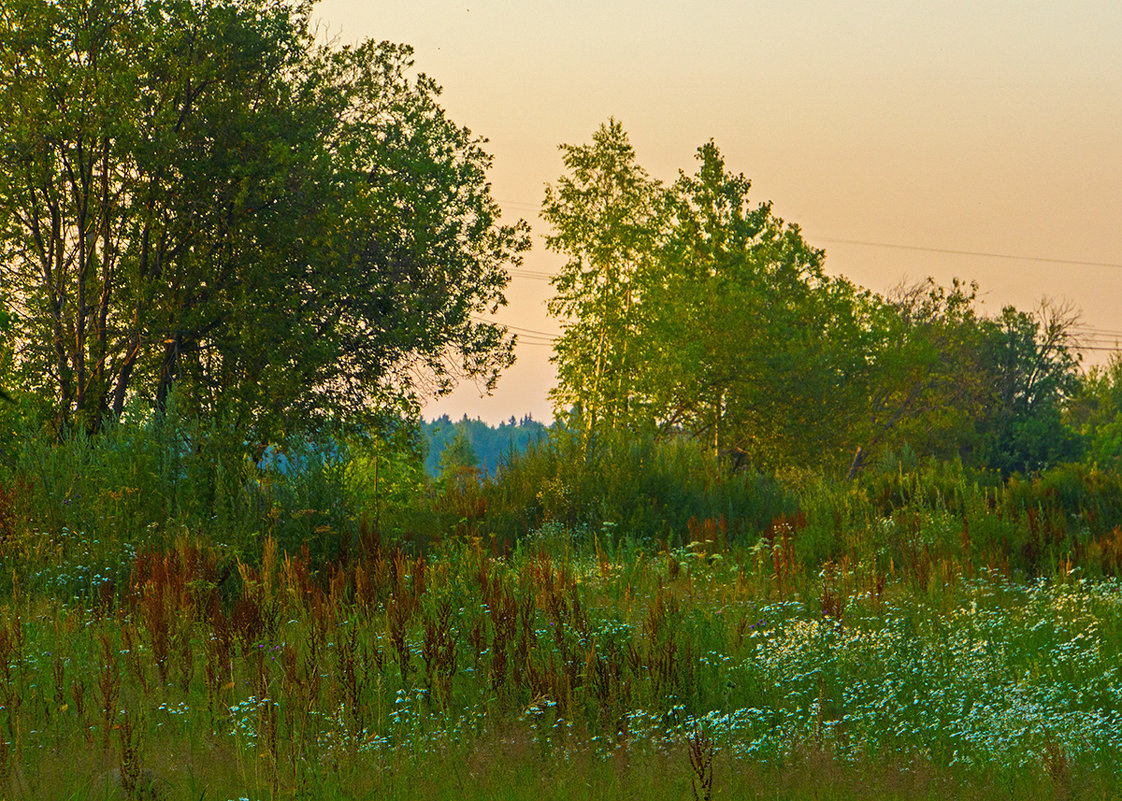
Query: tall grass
[
  {"x": 79, "y": 509},
  {"x": 628, "y": 484},
  {"x": 945, "y": 514},
  {"x": 182, "y": 620},
  {"x": 400, "y": 674}
]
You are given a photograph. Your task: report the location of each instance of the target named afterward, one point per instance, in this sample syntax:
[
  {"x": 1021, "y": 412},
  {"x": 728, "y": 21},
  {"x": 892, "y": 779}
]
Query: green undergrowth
[
  {"x": 146, "y": 482},
  {"x": 183, "y": 616}
]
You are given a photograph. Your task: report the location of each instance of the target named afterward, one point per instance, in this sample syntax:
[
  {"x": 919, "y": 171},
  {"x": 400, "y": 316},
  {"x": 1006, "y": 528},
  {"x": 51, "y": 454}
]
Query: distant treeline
[{"x": 488, "y": 445}]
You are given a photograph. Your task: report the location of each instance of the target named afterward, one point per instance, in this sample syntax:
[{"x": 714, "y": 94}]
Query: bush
[
  {"x": 151, "y": 478},
  {"x": 628, "y": 485}
]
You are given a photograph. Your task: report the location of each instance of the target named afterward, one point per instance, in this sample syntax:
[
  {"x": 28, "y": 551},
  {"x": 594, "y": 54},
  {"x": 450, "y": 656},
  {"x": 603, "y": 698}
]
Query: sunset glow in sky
[{"x": 986, "y": 127}]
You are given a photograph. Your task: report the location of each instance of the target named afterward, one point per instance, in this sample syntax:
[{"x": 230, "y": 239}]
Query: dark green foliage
[
  {"x": 491, "y": 444},
  {"x": 1031, "y": 441},
  {"x": 458, "y": 462},
  {"x": 1084, "y": 501},
  {"x": 1032, "y": 371},
  {"x": 153, "y": 478},
  {"x": 945, "y": 512},
  {"x": 199, "y": 195},
  {"x": 1095, "y": 412},
  {"x": 625, "y": 485}
]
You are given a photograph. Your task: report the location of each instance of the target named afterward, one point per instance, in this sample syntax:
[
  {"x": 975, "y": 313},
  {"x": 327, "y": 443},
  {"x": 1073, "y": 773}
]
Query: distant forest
[{"x": 488, "y": 444}]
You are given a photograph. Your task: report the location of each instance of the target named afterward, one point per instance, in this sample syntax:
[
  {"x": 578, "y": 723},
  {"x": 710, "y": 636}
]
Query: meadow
[{"x": 178, "y": 624}]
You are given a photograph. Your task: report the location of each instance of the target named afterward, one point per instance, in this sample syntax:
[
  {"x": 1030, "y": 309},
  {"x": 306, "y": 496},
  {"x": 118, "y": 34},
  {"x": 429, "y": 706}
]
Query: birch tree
[{"x": 605, "y": 215}]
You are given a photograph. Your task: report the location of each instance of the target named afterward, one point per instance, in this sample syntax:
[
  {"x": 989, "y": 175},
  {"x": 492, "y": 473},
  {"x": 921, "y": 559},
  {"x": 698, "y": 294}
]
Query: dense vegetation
[
  {"x": 686, "y": 309},
  {"x": 473, "y": 443},
  {"x": 786, "y": 537},
  {"x": 182, "y": 622},
  {"x": 201, "y": 196}
]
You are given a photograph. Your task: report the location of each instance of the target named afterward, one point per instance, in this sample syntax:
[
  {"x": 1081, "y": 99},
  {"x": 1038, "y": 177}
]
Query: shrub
[{"x": 628, "y": 485}]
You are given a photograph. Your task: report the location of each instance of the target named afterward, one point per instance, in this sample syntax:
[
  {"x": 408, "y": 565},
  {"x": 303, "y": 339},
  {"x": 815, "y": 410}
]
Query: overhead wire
[
  {"x": 979, "y": 253},
  {"x": 1096, "y": 337},
  {"x": 527, "y": 206},
  {"x": 529, "y": 336}
]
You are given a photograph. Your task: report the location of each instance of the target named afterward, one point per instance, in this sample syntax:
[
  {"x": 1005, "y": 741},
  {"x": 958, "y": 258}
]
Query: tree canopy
[
  {"x": 1095, "y": 412},
  {"x": 689, "y": 310},
  {"x": 197, "y": 195},
  {"x": 748, "y": 342},
  {"x": 606, "y": 219}
]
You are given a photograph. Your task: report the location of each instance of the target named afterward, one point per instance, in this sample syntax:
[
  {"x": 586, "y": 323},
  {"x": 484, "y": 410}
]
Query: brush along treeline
[{"x": 72, "y": 510}]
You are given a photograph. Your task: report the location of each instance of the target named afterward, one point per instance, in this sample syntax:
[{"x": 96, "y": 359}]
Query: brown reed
[
  {"x": 108, "y": 685},
  {"x": 700, "y": 751}
]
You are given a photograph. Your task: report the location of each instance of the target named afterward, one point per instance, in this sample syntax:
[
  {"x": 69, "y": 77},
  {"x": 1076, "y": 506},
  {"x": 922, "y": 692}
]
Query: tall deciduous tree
[
  {"x": 692, "y": 311},
  {"x": 424, "y": 254},
  {"x": 1033, "y": 371},
  {"x": 1095, "y": 411},
  {"x": 748, "y": 342},
  {"x": 195, "y": 194},
  {"x": 927, "y": 383},
  {"x": 605, "y": 214},
  {"x": 951, "y": 382}
]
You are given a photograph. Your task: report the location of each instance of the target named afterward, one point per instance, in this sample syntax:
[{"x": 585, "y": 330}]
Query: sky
[{"x": 979, "y": 140}]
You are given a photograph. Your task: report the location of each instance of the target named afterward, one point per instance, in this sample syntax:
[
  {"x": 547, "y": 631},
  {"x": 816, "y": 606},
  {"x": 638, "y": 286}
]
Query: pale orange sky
[{"x": 984, "y": 126}]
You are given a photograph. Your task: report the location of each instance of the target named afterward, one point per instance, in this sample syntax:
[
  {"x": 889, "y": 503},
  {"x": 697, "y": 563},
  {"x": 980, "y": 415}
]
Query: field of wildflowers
[
  {"x": 551, "y": 672},
  {"x": 183, "y": 625}
]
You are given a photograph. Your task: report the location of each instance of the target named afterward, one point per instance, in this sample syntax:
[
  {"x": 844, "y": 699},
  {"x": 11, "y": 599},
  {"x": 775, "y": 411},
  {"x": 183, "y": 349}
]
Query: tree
[
  {"x": 950, "y": 382},
  {"x": 747, "y": 342},
  {"x": 195, "y": 194},
  {"x": 423, "y": 255},
  {"x": 605, "y": 215},
  {"x": 1095, "y": 412},
  {"x": 1033, "y": 369},
  {"x": 927, "y": 383},
  {"x": 457, "y": 459},
  {"x": 135, "y": 185},
  {"x": 693, "y": 311},
  {"x": 4, "y": 322}
]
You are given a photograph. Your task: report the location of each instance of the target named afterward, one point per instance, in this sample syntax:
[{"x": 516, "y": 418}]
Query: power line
[
  {"x": 1089, "y": 334},
  {"x": 1097, "y": 331},
  {"x": 530, "y": 336},
  {"x": 543, "y": 334},
  {"x": 518, "y": 204},
  {"x": 525, "y": 334},
  {"x": 984, "y": 254},
  {"x": 919, "y": 248}
]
